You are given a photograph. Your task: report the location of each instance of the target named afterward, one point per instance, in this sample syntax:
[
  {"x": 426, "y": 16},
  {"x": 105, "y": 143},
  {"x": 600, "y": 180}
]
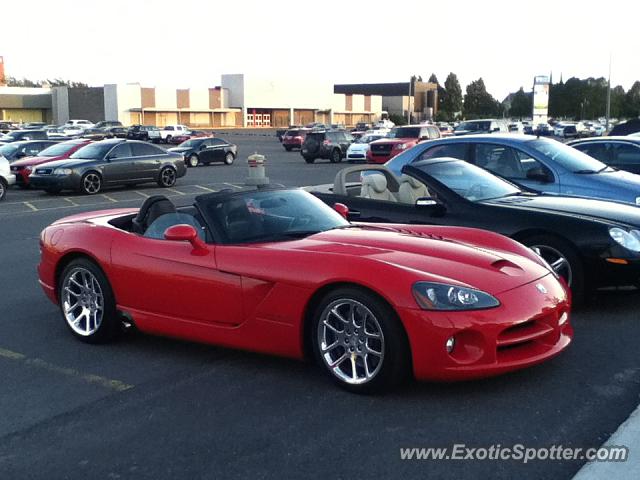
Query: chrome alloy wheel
[
  {"x": 168, "y": 177},
  {"x": 91, "y": 183},
  {"x": 556, "y": 260},
  {"x": 351, "y": 341},
  {"x": 82, "y": 301}
]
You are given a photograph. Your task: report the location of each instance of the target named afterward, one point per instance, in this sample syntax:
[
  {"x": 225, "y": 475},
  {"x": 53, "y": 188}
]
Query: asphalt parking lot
[{"x": 148, "y": 407}]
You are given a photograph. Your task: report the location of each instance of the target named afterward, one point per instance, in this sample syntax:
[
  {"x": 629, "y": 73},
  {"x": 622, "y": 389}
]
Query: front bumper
[
  {"x": 523, "y": 331},
  {"x": 10, "y": 178},
  {"x": 54, "y": 182}
]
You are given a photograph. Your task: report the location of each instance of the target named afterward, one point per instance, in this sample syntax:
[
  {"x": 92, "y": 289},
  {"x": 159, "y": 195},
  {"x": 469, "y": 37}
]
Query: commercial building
[
  {"x": 417, "y": 98},
  {"x": 22, "y": 105}
]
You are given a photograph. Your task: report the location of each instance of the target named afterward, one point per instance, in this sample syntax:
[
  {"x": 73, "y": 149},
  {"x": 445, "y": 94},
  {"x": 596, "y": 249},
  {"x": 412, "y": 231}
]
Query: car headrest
[
  {"x": 410, "y": 180},
  {"x": 376, "y": 181},
  {"x": 152, "y": 208}
]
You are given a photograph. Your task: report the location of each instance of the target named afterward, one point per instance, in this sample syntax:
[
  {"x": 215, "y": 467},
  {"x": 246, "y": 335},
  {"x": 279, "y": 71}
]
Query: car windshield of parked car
[
  {"x": 467, "y": 180},
  {"x": 8, "y": 150},
  {"x": 404, "y": 132},
  {"x": 269, "y": 216},
  {"x": 94, "y": 151},
  {"x": 56, "y": 150},
  {"x": 568, "y": 157},
  {"x": 474, "y": 126}
]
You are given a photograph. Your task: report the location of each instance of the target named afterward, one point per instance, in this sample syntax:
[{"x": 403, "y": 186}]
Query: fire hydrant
[{"x": 256, "y": 176}]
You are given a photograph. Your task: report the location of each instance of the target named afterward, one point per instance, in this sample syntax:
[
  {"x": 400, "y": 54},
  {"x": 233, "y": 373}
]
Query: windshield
[
  {"x": 94, "y": 151},
  {"x": 8, "y": 150},
  {"x": 57, "y": 149},
  {"x": 471, "y": 182},
  {"x": 474, "y": 126},
  {"x": 567, "y": 157},
  {"x": 404, "y": 132},
  {"x": 191, "y": 143},
  {"x": 270, "y": 216}
]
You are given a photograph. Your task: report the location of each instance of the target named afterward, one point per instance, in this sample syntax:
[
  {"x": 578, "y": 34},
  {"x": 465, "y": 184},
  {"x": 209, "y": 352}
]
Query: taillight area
[{"x": 326, "y": 142}]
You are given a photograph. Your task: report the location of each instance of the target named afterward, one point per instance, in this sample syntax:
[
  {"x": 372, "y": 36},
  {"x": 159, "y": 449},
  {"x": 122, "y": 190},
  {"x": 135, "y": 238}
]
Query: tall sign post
[{"x": 540, "y": 99}]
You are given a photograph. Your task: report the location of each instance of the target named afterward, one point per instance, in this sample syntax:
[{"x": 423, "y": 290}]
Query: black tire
[
  {"x": 287, "y": 148},
  {"x": 336, "y": 156},
  {"x": 167, "y": 177},
  {"x": 91, "y": 183},
  {"x": 229, "y": 158},
  {"x": 309, "y": 159},
  {"x": 193, "y": 160},
  {"x": 110, "y": 324},
  {"x": 575, "y": 278},
  {"x": 168, "y": 139},
  {"x": 394, "y": 364},
  {"x": 3, "y": 188}
]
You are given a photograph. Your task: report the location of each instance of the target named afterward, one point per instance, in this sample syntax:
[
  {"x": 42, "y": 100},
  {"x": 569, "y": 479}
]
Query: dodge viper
[{"x": 278, "y": 271}]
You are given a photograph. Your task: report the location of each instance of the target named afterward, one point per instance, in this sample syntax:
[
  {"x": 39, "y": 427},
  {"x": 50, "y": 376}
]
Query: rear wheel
[
  {"x": 193, "y": 160},
  {"x": 336, "y": 156},
  {"x": 167, "y": 177},
  {"x": 87, "y": 302},
  {"x": 564, "y": 261},
  {"x": 168, "y": 139},
  {"x": 91, "y": 183},
  {"x": 359, "y": 341}
]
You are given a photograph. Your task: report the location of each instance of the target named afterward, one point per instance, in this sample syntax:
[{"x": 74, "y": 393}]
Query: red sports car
[
  {"x": 60, "y": 151},
  {"x": 277, "y": 271},
  {"x": 178, "y": 139}
]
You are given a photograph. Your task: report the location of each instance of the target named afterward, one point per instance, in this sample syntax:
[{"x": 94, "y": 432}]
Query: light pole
[
  {"x": 409, "y": 102},
  {"x": 608, "y": 114}
]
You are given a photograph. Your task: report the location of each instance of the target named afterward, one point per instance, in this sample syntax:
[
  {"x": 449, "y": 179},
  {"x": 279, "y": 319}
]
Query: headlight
[
  {"x": 629, "y": 240},
  {"x": 401, "y": 146},
  {"x": 440, "y": 296},
  {"x": 62, "y": 171}
]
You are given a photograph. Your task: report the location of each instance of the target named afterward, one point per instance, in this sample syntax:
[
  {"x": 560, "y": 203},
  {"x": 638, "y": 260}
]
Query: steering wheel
[{"x": 476, "y": 190}]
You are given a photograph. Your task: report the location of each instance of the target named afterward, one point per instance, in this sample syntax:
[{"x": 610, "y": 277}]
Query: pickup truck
[
  {"x": 171, "y": 131},
  {"x": 398, "y": 140}
]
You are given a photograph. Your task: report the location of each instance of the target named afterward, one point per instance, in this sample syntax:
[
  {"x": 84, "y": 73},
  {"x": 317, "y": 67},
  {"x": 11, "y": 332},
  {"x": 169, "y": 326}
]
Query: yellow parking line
[
  {"x": 205, "y": 188},
  {"x": 109, "y": 198},
  {"x": 71, "y": 202},
  {"x": 176, "y": 191},
  {"x": 142, "y": 194},
  {"x": 31, "y": 206},
  {"x": 116, "y": 385}
]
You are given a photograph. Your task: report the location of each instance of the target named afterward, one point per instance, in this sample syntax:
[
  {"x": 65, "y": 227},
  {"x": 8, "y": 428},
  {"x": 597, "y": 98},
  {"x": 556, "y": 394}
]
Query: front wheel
[
  {"x": 167, "y": 177},
  {"x": 3, "y": 188},
  {"x": 336, "y": 156},
  {"x": 91, "y": 183},
  {"x": 168, "y": 139},
  {"x": 564, "y": 261},
  {"x": 193, "y": 160},
  {"x": 359, "y": 341},
  {"x": 87, "y": 302},
  {"x": 228, "y": 158}
]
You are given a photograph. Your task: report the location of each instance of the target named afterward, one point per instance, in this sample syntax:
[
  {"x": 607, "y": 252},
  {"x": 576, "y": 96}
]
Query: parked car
[
  {"x": 361, "y": 127},
  {"x": 316, "y": 126},
  {"x": 433, "y": 303},
  {"x": 331, "y": 144},
  {"x": 18, "y": 135},
  {"x": 58, "y": 151},
  {"x": 6, "y": 177},
  {"x": 474, "y": 127},
  {"x": 541, "y": 164},
  {"x": 107, "y": 163},
  {"x": 183, "y": 137},
  {"x": 144, "y": 132},
  {"x": 357, "y": 151},
  {"x": 66, "y": 132},
  {"x": 400, "y": 139},
  {"x": 34, "y": 126},
  {"x": 619, "y": 152},
  {"x": 445, "y": 130},
  {"x": 589, "y": 243},
  {"x": 294, "y": 138},
  {"x": 170, "y": 131},
  {"x": 26, "y": 148},
  {"x": 6, "y": 127},
  {"x": 80, "y": 123},
  {"x": 206, "y": 150},
  {"x": 576, "y": 130},
  {"x": 626, "y": 128},
  {"x": 108, "y": 123}
]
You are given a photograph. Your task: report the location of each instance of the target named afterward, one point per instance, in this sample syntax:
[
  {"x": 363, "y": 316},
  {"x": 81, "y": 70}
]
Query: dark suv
[
  {"x": 329, "y": 144},
  {"x": 17, "y": 135},
  {"x": 140, "y": 132}
]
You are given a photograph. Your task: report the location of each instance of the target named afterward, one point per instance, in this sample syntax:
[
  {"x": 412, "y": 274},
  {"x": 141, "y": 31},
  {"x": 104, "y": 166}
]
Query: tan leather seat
[
  {"x": 411, "y": 190},
  {"x": 374, "y": 186}
]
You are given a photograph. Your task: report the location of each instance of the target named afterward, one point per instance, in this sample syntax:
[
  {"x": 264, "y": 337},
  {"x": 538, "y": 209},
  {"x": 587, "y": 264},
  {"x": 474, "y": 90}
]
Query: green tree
[
  {"x": 56, "y": 82},
  {"x": 632, "y": 101},
  {"x": 451, "y": 102},
  {"x": 521, "y": 104},
  {"x": 480, "y": 103}
]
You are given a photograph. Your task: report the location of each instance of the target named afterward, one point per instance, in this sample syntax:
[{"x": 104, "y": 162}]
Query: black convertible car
[{"x": 590, "y": 243}]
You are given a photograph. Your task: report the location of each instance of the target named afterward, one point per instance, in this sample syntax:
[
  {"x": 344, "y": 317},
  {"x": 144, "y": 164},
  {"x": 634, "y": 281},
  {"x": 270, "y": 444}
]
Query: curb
[{"x": 627, "y": 434}]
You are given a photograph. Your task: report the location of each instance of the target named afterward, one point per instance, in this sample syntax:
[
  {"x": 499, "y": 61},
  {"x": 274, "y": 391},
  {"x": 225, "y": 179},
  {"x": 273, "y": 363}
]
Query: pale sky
[{"x": 185, "y": 43}]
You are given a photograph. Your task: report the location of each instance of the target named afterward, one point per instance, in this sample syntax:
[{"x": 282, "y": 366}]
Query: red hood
[
  {"x": 395, "y": 140},
  {"x": 429, "y": 257},
  {"x": 31, "y": 161}
]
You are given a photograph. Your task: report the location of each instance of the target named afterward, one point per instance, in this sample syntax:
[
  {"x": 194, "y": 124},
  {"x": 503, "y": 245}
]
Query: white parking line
[
  {"x": 142, "y": 194},
  {"x": 174, "y": 190},
  {"x": 71, "y": 202},
  {"x": 205, "y": 188},
  {"x": 31, "y": 206},
  {"x": 109, "y": 198}
]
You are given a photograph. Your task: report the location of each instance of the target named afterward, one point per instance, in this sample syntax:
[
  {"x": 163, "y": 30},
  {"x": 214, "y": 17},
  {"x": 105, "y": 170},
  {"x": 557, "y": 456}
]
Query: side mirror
[
  {"x": 431, "y": 204},
  {"x": 342, "y": 209},
  {"x": 185, "y": 233},
  {"x": 539, "y": 174}
]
